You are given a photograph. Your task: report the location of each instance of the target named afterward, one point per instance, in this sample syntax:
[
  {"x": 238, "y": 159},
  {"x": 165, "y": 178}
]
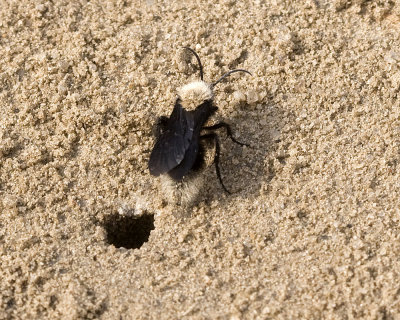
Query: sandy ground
[{"x": 312, "y": 228}]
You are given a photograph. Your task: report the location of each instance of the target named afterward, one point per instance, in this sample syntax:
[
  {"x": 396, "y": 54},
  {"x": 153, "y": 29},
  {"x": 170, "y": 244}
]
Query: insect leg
[
  {"x": 160, "y": 126},
  {"x": 216, "y": 157},
  {"x": 228, "y": 131}
]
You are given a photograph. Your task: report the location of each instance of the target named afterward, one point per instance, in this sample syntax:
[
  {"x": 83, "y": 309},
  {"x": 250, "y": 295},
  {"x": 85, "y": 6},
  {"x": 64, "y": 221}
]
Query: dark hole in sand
[{"x": 128, "y": 231}]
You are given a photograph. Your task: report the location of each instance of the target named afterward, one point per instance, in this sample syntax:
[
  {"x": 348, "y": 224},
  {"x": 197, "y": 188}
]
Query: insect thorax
[{"x": 193, "y": 94}]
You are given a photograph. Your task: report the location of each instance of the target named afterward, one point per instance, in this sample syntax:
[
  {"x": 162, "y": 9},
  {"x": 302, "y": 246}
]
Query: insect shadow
[{"x": 179, "y": 151}]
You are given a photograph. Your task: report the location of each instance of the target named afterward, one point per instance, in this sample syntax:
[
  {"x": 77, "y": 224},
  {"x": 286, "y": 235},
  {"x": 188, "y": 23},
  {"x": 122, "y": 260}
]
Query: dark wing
[
  {"x": 200, "y": 116},
  {"x": 188, "y": 161},
  {"x": 170, "y": 148}
]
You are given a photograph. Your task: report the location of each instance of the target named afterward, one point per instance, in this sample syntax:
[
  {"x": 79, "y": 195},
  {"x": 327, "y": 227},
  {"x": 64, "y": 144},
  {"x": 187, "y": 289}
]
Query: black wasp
[{"x": 178, "y": 151}]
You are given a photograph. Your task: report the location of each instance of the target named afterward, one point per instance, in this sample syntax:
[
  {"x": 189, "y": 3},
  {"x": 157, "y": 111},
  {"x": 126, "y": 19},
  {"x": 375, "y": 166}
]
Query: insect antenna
[
  {"x": 228, "y": 74},
  {"x": 198, "y": 60}
]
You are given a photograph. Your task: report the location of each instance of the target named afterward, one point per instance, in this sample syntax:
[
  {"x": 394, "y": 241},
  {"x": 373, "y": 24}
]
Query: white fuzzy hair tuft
[
  {"x": 183, "y": 193},
  {"x": 195, "y": 93}
]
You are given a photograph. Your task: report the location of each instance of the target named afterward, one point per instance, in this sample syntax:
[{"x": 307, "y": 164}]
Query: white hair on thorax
[{"x": 194, "y": 93}]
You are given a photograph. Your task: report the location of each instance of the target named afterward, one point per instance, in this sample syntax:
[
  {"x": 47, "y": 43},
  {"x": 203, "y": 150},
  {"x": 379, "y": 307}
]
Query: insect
[{"x": 178, "y": 151}]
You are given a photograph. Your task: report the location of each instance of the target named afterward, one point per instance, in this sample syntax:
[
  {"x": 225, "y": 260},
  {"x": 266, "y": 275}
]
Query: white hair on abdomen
[
  {"x": 193, "y": 94},
  {"x": 183, "y": 192}
]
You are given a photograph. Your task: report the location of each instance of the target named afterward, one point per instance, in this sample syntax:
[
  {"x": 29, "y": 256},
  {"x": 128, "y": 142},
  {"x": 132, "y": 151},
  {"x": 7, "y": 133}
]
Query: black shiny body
[{"x": 176, "y": 151}]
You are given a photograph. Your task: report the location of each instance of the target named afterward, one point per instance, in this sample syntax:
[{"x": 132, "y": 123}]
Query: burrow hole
[{"x": 127, "y": 231}]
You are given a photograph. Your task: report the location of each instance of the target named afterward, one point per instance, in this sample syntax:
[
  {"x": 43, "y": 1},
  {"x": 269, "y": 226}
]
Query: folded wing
[{"x": 170, "y": 149}]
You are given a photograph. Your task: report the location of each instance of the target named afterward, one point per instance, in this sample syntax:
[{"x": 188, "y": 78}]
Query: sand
[{"x": 311, "y": 230}]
